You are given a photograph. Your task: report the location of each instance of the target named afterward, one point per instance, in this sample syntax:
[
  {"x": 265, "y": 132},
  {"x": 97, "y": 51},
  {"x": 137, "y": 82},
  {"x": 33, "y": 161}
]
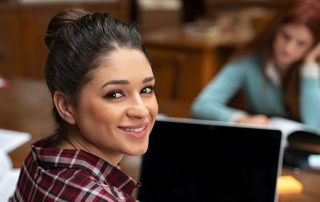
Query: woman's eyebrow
[
  {"x": 115, "y": 82},
  {"x": 148, "y": 79},
  {"x": 124, "y": 82}
]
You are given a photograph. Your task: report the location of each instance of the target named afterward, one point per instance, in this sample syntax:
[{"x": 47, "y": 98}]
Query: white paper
[
  {"x": 8, "y": 177},
  {"x": 10, "y": 140},
  {"x": 8, "y": 184}
]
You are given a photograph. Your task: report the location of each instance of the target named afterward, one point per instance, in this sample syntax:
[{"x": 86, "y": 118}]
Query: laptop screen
[{"x": 194, "y": 160}]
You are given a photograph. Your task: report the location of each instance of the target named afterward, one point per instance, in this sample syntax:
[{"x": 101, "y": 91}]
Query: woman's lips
[{"x": 137, "y": 131}]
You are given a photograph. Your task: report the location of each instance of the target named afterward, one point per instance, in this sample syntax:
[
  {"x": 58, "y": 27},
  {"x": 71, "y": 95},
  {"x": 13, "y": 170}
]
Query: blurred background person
[{"x": 277, "y": 71}]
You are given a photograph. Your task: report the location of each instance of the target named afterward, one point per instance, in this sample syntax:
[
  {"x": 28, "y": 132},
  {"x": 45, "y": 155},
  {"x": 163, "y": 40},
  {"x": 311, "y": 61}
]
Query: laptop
[{"x": 199, "y": 160}]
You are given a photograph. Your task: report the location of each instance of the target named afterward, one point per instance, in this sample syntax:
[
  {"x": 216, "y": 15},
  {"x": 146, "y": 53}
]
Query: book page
[
  {"x": 285, "y": 125},
  {"x": 289, "y": 126},
  {"x": 8, "y": 176},
  {"x": 8, "y": 184},
  {"x": 5, "y": 164},
  {"x": 10, "y": 140}
]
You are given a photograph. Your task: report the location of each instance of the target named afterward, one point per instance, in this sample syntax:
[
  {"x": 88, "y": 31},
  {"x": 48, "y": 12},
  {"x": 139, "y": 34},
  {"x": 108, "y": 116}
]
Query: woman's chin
[{"x": 138, "y": 151}]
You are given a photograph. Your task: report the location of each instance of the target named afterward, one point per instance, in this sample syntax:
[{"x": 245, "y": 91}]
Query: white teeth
[{"x": 134, "y": 129}]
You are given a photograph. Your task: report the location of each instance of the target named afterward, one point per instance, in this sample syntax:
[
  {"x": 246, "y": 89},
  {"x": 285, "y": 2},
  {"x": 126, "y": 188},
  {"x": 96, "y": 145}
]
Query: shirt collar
[
  {"x": 79, "y": 159},
  {"x": 272, "y": 74}
]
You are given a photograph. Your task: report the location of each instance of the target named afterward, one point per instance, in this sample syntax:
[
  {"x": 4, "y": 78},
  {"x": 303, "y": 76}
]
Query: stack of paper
[{"x": 9, "y": 140}]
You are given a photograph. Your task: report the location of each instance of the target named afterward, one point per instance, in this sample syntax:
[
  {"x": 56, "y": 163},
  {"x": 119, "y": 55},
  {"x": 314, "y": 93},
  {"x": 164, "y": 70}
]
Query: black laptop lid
[{"x": 193, "y": 160}]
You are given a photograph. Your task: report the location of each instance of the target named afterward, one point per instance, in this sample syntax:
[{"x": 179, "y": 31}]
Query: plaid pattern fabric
[{"x": 50, "y": 174}]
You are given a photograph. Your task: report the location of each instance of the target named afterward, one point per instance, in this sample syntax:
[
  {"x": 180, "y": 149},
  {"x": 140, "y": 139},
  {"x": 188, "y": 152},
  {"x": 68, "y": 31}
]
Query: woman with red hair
[{"x": 277, "y": 71}]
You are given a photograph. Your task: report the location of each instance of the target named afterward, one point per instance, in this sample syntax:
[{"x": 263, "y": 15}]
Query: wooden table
[
  {"x": 311, "y": 183},
  {"x": 26, "y": 106}
]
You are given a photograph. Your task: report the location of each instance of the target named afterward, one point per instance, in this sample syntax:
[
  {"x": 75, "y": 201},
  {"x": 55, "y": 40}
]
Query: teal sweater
[{"x": 263, "y": 96}]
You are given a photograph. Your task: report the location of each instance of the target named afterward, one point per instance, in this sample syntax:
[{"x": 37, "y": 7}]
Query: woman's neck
[
  {"x": 75, "y": 140},
  {"x": 282, "y": 69}
]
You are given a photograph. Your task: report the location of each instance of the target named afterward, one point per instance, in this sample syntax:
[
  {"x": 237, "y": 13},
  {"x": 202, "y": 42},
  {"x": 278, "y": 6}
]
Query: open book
[
  {"x": 9, "y": 140},
  {"x": 299, "y": 142},
  {"x": 288, "y": 126}
]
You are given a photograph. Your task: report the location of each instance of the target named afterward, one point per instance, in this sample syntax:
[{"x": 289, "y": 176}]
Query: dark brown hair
[{"x": 77, "y": 41}]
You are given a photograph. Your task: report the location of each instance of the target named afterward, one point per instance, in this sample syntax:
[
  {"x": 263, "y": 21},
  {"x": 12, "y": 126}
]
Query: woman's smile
[{"x": 137, "y": 131}]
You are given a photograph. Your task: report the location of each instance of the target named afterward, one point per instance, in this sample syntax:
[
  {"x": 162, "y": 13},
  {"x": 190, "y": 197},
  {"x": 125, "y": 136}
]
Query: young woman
[
  {"x": 278, "y": 73},
  {"x": 101, "y": 82}
]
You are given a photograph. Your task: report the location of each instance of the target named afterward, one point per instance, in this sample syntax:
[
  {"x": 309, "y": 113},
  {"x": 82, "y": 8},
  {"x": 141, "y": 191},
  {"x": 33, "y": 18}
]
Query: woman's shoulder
[
  {"x": 250, "y": 59},
  {"x": 246, "y": 63}
]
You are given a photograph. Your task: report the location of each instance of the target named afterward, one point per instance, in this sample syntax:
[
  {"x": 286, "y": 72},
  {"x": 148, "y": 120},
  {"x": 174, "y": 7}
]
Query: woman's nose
[
  {"x": 290, "y": 47},
  {"x": 138, "y": 108}
]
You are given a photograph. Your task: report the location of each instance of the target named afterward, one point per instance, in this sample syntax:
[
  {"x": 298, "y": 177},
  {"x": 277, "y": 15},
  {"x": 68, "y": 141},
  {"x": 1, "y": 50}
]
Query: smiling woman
[{"x": 102, "y": 87}]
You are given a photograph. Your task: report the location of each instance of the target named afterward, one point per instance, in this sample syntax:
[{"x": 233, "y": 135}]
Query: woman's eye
[
  {"x": 114, "y": 95},
  {"x": 286, "y": 36},
  {"x": 148, "y": 90},
  {"x": 301, "y": 43}
]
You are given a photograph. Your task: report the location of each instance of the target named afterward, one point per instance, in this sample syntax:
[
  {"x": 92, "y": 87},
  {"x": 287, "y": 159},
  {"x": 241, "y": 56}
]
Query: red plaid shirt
[{"x": 50, "y": 174}]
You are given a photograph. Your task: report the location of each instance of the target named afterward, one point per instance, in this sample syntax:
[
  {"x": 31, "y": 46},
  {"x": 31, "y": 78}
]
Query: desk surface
[
  {"x": 311, "y": 184},
  {"x": 26, "y": 106}
]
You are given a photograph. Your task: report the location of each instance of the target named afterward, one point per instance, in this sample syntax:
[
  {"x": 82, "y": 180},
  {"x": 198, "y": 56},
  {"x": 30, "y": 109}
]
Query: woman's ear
[{"x": 64, "y": 106}]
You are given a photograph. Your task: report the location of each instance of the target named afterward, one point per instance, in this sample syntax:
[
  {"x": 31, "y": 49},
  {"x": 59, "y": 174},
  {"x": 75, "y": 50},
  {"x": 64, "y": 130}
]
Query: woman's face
[
  {"x": 118, "y": 107},
  {"x": 292, "y": 42}
]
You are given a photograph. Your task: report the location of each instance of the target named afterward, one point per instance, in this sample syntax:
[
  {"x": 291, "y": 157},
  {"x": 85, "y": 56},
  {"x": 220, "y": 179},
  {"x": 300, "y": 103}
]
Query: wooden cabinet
[
  {"x": 22, "y": 31},
  {"x": 185, "y": 62}
]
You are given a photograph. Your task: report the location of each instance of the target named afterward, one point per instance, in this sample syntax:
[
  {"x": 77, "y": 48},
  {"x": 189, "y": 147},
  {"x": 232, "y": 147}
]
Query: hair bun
[{"x": 59, "y": 21}]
